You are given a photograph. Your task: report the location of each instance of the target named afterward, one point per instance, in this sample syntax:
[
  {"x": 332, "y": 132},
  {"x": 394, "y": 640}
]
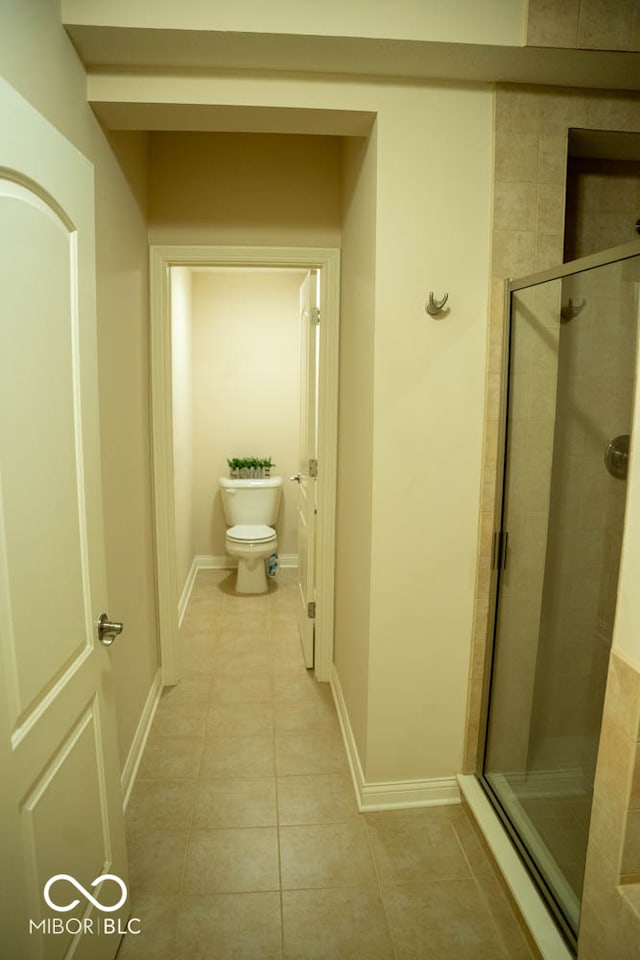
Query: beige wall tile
[
  {"x": 604, "y": 26},
  {"x": 553, "y": 23},
  {"x": 516, "y": 156},
  {"x": 517, "y": 109},
  {"x": 515, "y": 206}
]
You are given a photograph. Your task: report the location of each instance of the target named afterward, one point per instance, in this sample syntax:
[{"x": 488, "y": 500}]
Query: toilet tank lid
[{"x": 230, "y": 483}]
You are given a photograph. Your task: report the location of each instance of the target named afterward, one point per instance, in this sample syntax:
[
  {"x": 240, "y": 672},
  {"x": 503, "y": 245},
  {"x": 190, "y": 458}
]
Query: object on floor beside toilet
[
  {"x": 250, "y": 509},
  {"x": 272, "y": 565}
]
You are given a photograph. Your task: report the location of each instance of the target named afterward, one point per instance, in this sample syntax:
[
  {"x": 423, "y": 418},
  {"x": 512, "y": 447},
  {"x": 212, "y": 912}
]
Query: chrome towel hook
[{"x": 433, "y": 306}]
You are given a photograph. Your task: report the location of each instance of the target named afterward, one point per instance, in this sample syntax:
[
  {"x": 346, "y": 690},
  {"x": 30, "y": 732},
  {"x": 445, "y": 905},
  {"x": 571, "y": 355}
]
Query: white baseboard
[
  {"x": 130, "y": 769},
  {"x": 183, "y": 602},
  {"x": 205, "y": 562},
  {"x": 392, "y": 795}
]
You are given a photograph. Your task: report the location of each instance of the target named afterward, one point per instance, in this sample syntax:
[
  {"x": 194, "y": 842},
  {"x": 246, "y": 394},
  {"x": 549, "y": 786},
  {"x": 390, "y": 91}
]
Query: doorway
[{"x": 326, "y": 262}]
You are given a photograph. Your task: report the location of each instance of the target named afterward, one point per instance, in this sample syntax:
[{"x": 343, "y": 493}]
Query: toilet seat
[{"x": 251, "y": 533}]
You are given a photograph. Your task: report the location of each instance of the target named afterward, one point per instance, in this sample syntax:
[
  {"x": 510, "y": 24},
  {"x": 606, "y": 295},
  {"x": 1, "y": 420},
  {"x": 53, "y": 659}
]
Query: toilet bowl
[
  {"x": 250, "y": 509},
  {"x": 250, "y": 544}
]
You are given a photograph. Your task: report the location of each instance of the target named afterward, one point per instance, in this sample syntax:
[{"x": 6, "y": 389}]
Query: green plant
[{"x": 249, "y": 463}]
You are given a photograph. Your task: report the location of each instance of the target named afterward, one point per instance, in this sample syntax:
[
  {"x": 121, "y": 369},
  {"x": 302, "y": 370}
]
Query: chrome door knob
[
  {"x": 297, "y": 477},
  {"x": 108, "y": 630}
]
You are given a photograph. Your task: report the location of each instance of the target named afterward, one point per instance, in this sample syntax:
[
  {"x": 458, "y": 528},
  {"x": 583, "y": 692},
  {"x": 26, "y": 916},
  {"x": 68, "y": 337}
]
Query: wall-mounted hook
[{"x": 433, "y": 306}]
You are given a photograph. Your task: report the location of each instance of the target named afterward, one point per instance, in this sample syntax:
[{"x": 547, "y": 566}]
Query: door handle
[
  {"x": 297, "y": 477},
  {"x": 108, "y": 630}
]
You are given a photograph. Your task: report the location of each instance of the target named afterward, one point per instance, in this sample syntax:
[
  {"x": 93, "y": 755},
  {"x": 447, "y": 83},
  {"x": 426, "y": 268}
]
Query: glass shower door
[{"x": 572, "y": 360}]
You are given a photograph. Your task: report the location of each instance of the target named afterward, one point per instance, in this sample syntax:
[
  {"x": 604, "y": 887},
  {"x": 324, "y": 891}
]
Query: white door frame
[{"x": 327, "y": 261}]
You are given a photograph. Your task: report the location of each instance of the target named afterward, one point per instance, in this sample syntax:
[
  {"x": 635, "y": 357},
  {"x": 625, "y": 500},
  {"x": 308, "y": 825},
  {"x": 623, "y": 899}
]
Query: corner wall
[{"x": 355, "y": 433}]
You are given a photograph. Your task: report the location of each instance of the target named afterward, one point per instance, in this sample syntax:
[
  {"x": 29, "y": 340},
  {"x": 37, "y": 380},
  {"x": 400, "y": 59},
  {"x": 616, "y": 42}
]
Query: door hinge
[
  {"x": 315, "y": 314},
  {"x": 311, "y": 610},
  {"x": 313, "y": 469}
]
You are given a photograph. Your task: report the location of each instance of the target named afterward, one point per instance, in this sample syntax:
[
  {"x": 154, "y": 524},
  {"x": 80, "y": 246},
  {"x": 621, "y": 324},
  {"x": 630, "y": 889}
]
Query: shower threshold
[{"x": 532, "y": 907}]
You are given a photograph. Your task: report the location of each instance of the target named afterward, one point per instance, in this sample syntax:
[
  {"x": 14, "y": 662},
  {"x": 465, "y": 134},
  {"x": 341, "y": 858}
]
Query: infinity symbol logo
[{"x": 85, "y": 893}]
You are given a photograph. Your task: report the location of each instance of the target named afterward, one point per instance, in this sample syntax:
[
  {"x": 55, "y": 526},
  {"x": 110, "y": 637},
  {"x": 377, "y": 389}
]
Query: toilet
[{"x": 250, "y": 508}]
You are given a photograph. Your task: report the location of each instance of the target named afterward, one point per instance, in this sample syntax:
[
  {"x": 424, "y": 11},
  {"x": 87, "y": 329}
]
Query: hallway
[{"x": 245, "y": 841}]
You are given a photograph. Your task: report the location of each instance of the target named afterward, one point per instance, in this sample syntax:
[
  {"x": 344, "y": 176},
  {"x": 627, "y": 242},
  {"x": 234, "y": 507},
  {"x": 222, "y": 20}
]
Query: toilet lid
[{"x": 255, "y": 532}]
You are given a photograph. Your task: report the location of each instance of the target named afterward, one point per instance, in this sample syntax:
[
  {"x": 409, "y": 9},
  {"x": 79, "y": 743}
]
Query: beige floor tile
[
  {"x": 180, "y": 717},
  {"x": 156, "y": 918},
  {"x": 170, "y": 758},
  {"x": 293, "y": 682},
  {"x": 413, "y": 849},
  {"x": 305, "y": 718},
  {"x": 206, "y": 858},
  {"x": 240, "y": 720},
  {"x": 444, "y": 919},
  {"x": 310, "y": 754},
  {"x": 503, "y": 915},
  {"x": 242, "y": 926},
  {"x": 199, "y": 657},
  {"x": 162, "y": 803},
  {"x": 336, "y": 924},
  {"x": 156, "y": 859},
  {"x": 232, "y": 861},
  {"x": 316, "y": 798},
  {"x": 476, "y": 855},
  {"x": 234, "y": 667},
  {"x": 186, "y": 692},
  {"x": 244, "y": 802},
  {"x": 237, "y": 757},
  {"x": 325, "y": 855},
  {"x": 250, "y": 687}
]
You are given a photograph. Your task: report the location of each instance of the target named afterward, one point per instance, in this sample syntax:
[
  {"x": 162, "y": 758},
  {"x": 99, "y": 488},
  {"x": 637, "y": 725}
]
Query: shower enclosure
[{"x": 570, "y": 365}]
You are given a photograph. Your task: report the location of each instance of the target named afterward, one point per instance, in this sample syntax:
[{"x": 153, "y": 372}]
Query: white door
[
  {"x": 60, "y": 800},
  {"x": 307, "y": 473}
]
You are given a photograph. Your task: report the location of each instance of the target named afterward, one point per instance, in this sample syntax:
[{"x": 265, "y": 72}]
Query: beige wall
[
  {"x": 462, "y": 21},
  {"x": 182, "y": 409},
  {"x": 31, "y": 36},
  {"x": 244, "y": 188},
  {"x": 245, "y": 378},
  {"x": 432, "y": 229}
]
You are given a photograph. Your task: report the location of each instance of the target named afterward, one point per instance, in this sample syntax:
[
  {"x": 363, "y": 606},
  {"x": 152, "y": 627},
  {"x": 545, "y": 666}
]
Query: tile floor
[{"x": 245, "y": 841}]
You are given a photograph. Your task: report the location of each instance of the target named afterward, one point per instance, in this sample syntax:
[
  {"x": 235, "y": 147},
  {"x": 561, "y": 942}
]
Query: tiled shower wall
[
  {"x": 531, "y": 140},
  {"x": 584, "y": 24}
]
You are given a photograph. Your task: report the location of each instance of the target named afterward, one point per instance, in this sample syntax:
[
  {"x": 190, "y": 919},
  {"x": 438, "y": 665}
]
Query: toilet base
[{"x": 251, "y": 576}]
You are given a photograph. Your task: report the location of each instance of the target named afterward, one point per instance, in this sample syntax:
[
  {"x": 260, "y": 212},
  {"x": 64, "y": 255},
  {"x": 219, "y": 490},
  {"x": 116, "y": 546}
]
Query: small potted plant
[{"x": 250, "y": 467}]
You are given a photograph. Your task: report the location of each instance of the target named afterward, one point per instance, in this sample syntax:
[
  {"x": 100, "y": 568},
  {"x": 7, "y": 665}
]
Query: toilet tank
[{"x": 251, "y": 501}]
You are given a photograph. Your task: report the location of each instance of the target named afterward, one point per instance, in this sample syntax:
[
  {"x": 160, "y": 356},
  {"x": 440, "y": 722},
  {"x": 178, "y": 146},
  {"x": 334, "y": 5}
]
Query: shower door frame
[{"x": 612, "y": 255}]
